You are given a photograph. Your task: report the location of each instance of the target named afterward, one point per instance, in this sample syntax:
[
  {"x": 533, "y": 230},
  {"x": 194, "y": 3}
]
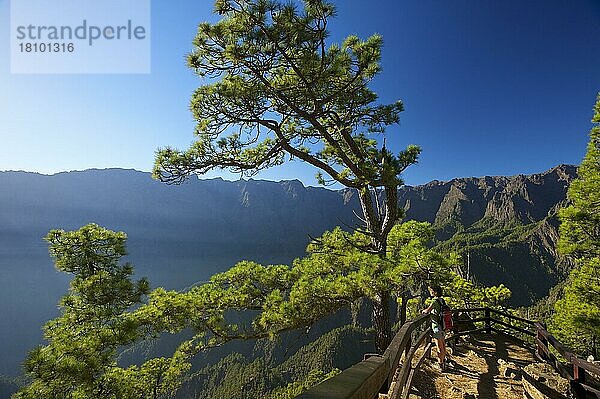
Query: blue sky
[{"x": 490, "y": 88}]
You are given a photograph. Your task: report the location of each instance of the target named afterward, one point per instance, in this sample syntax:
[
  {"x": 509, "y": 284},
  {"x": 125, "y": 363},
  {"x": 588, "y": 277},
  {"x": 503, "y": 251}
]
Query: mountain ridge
[
  {"x": 131, "y": 201},
  {"x": 256, "y": 218}
]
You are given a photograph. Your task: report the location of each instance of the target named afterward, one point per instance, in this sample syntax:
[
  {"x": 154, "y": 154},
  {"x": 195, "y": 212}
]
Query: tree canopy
[
  {"x": 276, "y": 89},
  {"x": 577, "y": 318},
  {"x": 331, "y": 278},
  {"x": 283, "y": 90},
  {"x": 83, "y": 342}
]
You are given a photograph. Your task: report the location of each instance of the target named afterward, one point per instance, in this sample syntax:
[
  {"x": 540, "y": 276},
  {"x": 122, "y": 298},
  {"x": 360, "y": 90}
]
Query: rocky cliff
[{"x": 506, "y": 228}]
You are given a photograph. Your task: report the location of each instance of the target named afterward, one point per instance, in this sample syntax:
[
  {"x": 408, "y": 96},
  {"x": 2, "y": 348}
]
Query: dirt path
[{"x": 483, "y": 367}]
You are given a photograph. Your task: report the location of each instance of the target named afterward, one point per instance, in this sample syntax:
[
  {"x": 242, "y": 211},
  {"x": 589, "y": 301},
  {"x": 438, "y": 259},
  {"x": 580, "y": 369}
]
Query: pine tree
[
  {"x": 279, "y": 90},
  {"x": 577, "y": 318},
  {"x": 333, "y": 276},
  {"x": 79, "y": 360}
]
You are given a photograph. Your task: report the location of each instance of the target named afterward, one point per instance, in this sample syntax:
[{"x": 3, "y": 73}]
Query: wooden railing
[
  {"x": 579, "y": 367},
  {"x": 493, "y": 320},
  {"x": 365, "y": 380}
]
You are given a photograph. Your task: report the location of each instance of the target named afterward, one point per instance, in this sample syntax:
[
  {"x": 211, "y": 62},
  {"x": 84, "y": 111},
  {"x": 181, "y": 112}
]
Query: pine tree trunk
[
  {"x": 403, "y": 308},
  {"x": 381, "y": 322},
  {"x": 379, "y": 221}
]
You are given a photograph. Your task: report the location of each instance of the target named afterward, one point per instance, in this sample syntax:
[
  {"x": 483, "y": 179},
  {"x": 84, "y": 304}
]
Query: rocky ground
[{"x": 483, "y": 367}]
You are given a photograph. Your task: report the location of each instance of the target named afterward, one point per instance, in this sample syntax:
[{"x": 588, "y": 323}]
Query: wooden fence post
[
  {"x": 428, "y": 346},
  {"x": 541, "y": 340},
  {"x": 578, "y": 374},
  {"x": 488, "y": 321},
  {"x": 578, "y": 379}
]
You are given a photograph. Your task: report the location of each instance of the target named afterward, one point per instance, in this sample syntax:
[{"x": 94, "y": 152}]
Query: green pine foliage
[
  {"x": 83, "y": 342},
  {"x": 464, "y": 293},
  {"x": 79, "y": 360},
  {"x": 332, "y": 277},
  {"x": 279, "y": 90},
  {"x": 577, "y": 318},
  {"x": 106, "y": 312},
  {"x": 287, "y": 92}
]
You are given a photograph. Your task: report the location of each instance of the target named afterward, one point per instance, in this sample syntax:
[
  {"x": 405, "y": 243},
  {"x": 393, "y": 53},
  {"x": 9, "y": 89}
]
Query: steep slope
[
  {"x": 239, "y": 377},
  {"x": 505, "y": 227}
]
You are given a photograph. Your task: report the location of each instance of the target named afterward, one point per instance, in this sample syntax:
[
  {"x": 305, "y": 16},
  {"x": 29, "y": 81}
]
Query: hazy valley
[{"x": 180, "y": 235}]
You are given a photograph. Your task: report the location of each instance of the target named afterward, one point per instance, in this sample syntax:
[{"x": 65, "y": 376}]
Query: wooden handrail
[
  {"x": 469, "y": 321},
  {"x": 401, "y": 384},
  {"x": 564, "y": 351},
  {"x": 467, "y": 310},
  {"x": 521, "y": 330},
  {"x": 400, "y": 342},
  {"x": 488, "y": 319},
  {"x": 413, "y": 370},
  {"x": 510, "y": 316}
]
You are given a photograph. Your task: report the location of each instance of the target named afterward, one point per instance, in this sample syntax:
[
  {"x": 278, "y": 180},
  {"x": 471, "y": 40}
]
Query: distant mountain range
[
  {"x": 213, "y": 214},
  {"x": 494, "y": 200},
  {"x": 257, "y": 217}
]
